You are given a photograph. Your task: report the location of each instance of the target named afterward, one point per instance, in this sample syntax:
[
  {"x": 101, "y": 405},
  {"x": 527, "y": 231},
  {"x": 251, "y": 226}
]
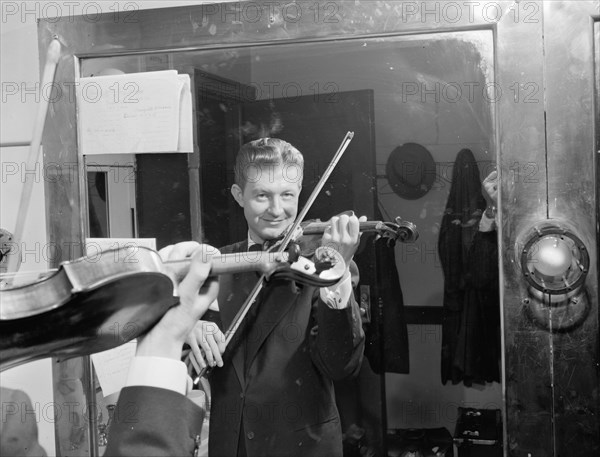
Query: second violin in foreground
[{"x": 95, "y": 303}]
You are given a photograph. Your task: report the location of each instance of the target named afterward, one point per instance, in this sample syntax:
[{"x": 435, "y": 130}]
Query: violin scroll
[
  {"x": 407, "y": 231},
  {"x": 400, "y": 230}
]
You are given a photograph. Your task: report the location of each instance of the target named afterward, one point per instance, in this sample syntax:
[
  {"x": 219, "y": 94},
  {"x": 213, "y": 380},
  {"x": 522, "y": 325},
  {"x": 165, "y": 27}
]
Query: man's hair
[{"x": 272, "y": 152}]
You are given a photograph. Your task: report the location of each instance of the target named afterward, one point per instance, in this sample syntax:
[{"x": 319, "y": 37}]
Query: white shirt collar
[{"x": 251, "y": 242}]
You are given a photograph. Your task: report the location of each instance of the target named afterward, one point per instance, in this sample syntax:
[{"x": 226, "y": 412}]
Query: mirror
[{"x": 435, "y": 91}]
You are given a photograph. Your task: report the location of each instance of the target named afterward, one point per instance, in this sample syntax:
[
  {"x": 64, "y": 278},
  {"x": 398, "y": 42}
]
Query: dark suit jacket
[
  {"x": 149, "y": 421},
  {"x": 276, "y": 382}
]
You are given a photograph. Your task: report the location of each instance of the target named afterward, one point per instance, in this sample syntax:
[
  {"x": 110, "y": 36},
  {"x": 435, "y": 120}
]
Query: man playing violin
[{"x": 272, "y": 392}]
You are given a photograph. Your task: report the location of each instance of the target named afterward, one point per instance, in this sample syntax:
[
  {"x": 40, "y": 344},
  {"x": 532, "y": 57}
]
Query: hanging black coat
[
  {"x": 460, "y": 222},
  {"x": 386, "y": 335},
  {"x": 478, "y": 350}
]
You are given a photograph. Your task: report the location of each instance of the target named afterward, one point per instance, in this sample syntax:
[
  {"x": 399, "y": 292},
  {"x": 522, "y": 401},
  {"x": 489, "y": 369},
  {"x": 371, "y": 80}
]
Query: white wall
[{"x": 19, "y": 75}]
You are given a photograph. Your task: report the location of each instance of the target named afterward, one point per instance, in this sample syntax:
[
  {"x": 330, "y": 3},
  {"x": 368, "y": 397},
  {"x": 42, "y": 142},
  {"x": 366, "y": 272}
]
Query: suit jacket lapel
[{"x": 274, "y": 302}]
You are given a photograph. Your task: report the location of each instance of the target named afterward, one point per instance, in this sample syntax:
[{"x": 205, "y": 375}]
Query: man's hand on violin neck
[
  {"x": 343, "y": 235},
  {"x": 196, "y": 292}
]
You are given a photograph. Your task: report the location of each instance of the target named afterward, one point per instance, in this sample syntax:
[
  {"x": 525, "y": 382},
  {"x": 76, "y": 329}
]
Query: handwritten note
[
  {"x": 112, "y": 367},
  {"x": 135, "y": 113}
]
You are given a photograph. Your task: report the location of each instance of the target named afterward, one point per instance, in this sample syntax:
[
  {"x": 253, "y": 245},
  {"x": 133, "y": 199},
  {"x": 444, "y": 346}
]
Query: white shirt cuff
[
  {"x": 159, "y": 372},
  {"x": 338, "y": 295},
  {"x": 487, "y": 224}
]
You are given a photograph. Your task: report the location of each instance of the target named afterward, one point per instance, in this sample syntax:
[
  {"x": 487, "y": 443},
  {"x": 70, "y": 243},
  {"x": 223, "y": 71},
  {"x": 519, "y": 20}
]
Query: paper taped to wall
[
  {"x": 112, "y": 367},
  {"x": 135, "y": 113}
]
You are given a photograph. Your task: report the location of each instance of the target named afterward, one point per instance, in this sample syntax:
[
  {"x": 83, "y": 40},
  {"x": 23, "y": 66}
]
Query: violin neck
[
  {"x": 239, "y": 262},
  {"x": 315, "y": 228}
]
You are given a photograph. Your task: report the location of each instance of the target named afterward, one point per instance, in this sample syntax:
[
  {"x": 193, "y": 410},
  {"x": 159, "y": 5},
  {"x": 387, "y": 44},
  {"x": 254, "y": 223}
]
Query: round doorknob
[
  {"x": 554, "y": 260},
  {"x": 552, "y": 256}
]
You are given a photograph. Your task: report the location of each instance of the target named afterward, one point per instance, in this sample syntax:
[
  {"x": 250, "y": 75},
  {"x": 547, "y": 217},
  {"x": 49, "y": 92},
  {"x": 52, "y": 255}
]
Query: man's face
[{"x": 270, "y": 200}]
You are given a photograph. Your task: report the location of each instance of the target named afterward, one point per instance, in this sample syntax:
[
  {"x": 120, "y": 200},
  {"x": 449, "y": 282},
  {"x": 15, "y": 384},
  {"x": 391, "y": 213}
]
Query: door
[{"x": 552, "y": 350}]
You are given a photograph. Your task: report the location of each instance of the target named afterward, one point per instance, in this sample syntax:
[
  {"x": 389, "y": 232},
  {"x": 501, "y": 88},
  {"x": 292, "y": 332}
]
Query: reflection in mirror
[
  {"x": 421, "y": 108},
  {"x": 97, "y": 204},
  {"x": 111, "y": 196}
]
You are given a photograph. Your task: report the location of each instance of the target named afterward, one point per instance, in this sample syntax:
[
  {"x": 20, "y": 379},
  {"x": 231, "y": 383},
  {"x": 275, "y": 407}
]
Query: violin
[
  {"x": 404, "y": 231},
  {"x": 305, "y": 237},
  {"x": 308, "y": 234},
  {"x": 96, "y": 303}
]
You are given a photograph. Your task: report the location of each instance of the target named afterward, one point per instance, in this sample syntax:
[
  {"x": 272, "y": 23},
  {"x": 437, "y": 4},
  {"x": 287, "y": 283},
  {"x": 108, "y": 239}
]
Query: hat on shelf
[{"x": 410, "y": 171}]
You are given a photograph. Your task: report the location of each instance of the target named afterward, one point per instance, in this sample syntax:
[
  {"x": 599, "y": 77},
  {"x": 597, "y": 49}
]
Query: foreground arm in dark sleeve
[{"x": 151, "y": 421}]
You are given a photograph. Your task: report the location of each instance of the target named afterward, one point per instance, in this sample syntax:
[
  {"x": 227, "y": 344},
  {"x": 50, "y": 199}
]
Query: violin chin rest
[{"x": 90, "y": 321}]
